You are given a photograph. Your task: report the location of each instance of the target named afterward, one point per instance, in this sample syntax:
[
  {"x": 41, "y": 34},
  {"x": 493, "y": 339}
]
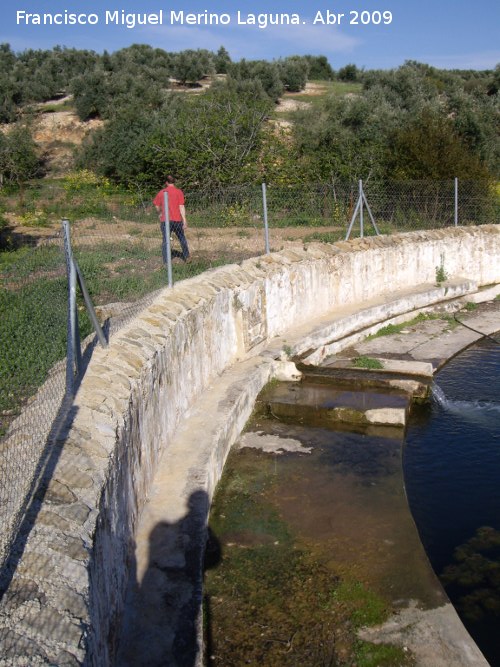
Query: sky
[{"x": 372, "y": 34}]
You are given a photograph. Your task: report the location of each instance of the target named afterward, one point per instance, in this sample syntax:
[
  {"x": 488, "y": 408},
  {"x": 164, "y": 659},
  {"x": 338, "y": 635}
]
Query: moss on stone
[{"x": 277, "y": 599}]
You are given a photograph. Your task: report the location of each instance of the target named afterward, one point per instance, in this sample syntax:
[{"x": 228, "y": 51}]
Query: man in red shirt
[{"x": 176, "y": 217}]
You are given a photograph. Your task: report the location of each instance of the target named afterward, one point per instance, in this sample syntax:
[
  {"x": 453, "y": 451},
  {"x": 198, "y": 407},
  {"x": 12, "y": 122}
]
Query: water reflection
[{"x": 452, "y": 468}]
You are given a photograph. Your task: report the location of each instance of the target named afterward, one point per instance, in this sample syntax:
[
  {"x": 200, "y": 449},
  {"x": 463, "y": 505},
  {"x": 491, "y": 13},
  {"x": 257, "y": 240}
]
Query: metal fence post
[
  {"x": 167, "y": 254},
  {"x": 362, "y": 201},
  {"x": 90, "y": 306},
  {"x": 74, "y": 354},
  {"x": 361, "y": 228},
  {"x": 369, "y": 211},
  {"x": 266, "y": 225},
  {"x": 456, "y": 202},
  {"x": 351, "y": 224}
]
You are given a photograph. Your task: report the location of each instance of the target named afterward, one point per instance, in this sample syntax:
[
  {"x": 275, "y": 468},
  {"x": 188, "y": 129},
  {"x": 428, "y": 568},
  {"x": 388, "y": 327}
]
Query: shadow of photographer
[{"x": 163, "y": 619}]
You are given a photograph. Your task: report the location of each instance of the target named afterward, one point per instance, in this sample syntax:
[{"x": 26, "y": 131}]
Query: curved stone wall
[{"x": 65, "y": 601}]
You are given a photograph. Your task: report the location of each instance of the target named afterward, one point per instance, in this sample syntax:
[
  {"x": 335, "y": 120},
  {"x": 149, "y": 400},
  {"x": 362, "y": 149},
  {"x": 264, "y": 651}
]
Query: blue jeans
[{"x": 178, "y": 230}]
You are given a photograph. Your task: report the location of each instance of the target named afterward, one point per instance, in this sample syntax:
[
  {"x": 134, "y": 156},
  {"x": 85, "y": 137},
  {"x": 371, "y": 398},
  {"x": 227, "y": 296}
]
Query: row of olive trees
[
  {"x": 102, "y": 82},
  {"x": 287, "y": 74},
  {"x": 37, "y": 75},
  {"x": 95, "y": 79},
  {"x": 144, "y": 73},
  {"x": 414, "y": 122}
]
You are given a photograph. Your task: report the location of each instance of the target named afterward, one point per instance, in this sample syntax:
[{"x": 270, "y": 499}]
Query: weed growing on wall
[
  {"x": 441, "y": 275},
  {"x": 368, "y": 363}
]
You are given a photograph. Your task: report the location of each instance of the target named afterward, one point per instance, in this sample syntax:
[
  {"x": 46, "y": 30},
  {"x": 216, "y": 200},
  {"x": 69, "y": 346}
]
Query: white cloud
[
  {"x": 245, "y": 41},
  {"x": 477, "y": 61},
  {"x": 179, "y": 38}
]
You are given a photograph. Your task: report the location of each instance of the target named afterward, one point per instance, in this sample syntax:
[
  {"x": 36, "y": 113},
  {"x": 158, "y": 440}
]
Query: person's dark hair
[{"x": 170, "y": 180}]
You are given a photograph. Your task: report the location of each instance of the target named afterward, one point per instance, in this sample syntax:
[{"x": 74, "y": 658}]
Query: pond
[
  {"x": 311, "y": 539},
  {"x": 452, "y": 475},
  {"x": 312, "y": 536}
]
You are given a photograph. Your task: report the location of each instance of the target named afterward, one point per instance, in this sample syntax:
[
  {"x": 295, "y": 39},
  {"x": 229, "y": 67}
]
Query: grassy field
[
  {"x": 32, "y": 323},
  {"x": 121, "y": 261},
  {"x": 33, "y": 300},
  {"x": 320, "y": 89}
]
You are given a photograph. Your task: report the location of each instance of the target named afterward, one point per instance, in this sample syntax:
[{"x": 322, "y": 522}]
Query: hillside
[
  {"x": 125, "y": 119},
  {"x": 58, "y": 131},
  {"x": 58, "y": 134},
  {"x": 208, "y": 117}
]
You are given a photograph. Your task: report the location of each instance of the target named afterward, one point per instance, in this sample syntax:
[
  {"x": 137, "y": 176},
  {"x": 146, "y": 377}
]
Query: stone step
[
  {"x": 354, "y": 322},
  {"x": 344, "y": 375}
]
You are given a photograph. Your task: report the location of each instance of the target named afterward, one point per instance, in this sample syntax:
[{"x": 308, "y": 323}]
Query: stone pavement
[{"x": 434, "y": 340}]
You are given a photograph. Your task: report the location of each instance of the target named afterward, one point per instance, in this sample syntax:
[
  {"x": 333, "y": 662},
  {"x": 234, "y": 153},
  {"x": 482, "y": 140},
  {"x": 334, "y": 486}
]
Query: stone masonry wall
[{"x": 64, "y": 603}]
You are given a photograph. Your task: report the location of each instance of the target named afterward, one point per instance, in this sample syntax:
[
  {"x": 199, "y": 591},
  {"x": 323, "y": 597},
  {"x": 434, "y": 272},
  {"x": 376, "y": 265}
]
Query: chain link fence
[
  {"x": 117, "y": 243},
  {"x": 32, "y": 381}
]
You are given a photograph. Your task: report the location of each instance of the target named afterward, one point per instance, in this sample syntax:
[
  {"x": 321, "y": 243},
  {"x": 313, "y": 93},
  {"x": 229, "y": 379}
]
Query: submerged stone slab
[
  {"x": 328, "y": 405},
  {"x": 386, "y": 416},
  {"x": 271, "y": 444},
  {"x": 434, "y": 636}
]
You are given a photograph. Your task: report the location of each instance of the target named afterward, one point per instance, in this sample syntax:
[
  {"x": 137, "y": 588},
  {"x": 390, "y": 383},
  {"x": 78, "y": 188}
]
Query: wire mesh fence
[
  {"x": 32, "y": 373},
  {"x": 408, "y": 205},
  {"x": 117, "y": 242}
]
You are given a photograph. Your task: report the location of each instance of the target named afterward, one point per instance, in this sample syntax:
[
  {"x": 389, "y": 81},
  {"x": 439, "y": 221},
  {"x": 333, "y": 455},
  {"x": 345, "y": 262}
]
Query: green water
[{"x": 308, "y": 546}]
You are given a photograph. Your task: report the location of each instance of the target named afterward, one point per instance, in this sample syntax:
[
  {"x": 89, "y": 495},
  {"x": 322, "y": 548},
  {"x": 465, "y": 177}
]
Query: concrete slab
[
  {"x": 402, "y": 366},
  {"x": 348, "y": 324},
  {"x": 431, "y": 342}
]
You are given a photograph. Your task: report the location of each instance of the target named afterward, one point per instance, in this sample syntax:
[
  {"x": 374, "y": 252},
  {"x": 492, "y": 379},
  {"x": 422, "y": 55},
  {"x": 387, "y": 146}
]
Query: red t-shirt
[{"x": 175, "y": 200}]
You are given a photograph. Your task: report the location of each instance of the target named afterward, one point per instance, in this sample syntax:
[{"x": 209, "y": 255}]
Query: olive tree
[{"x": 20, "y": 159}]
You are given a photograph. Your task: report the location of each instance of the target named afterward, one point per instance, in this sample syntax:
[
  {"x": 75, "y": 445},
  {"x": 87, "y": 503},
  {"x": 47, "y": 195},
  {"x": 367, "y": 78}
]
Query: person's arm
[
  {"x": 182, "y": 209},
  {"x": 157, "y": 203}
]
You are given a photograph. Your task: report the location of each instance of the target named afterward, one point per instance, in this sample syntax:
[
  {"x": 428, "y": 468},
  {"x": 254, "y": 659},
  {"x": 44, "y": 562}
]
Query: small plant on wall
[
  {"x": 367, "y": 362},
  {"x": 441, "y": 275}
]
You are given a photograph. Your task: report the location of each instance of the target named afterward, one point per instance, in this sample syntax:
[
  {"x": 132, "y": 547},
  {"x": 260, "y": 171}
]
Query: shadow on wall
[
  {"x": 163, "y": 615},
  {"x": 29, "y": 504},
  {"x": 36, "y": 492}
]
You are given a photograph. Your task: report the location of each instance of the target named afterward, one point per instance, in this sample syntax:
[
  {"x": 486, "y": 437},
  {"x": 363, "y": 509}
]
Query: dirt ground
[
  {"x": 58, "y": 134},
  {"x": 249, "y": 239},
  {"x": 252, "y": 239}
]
